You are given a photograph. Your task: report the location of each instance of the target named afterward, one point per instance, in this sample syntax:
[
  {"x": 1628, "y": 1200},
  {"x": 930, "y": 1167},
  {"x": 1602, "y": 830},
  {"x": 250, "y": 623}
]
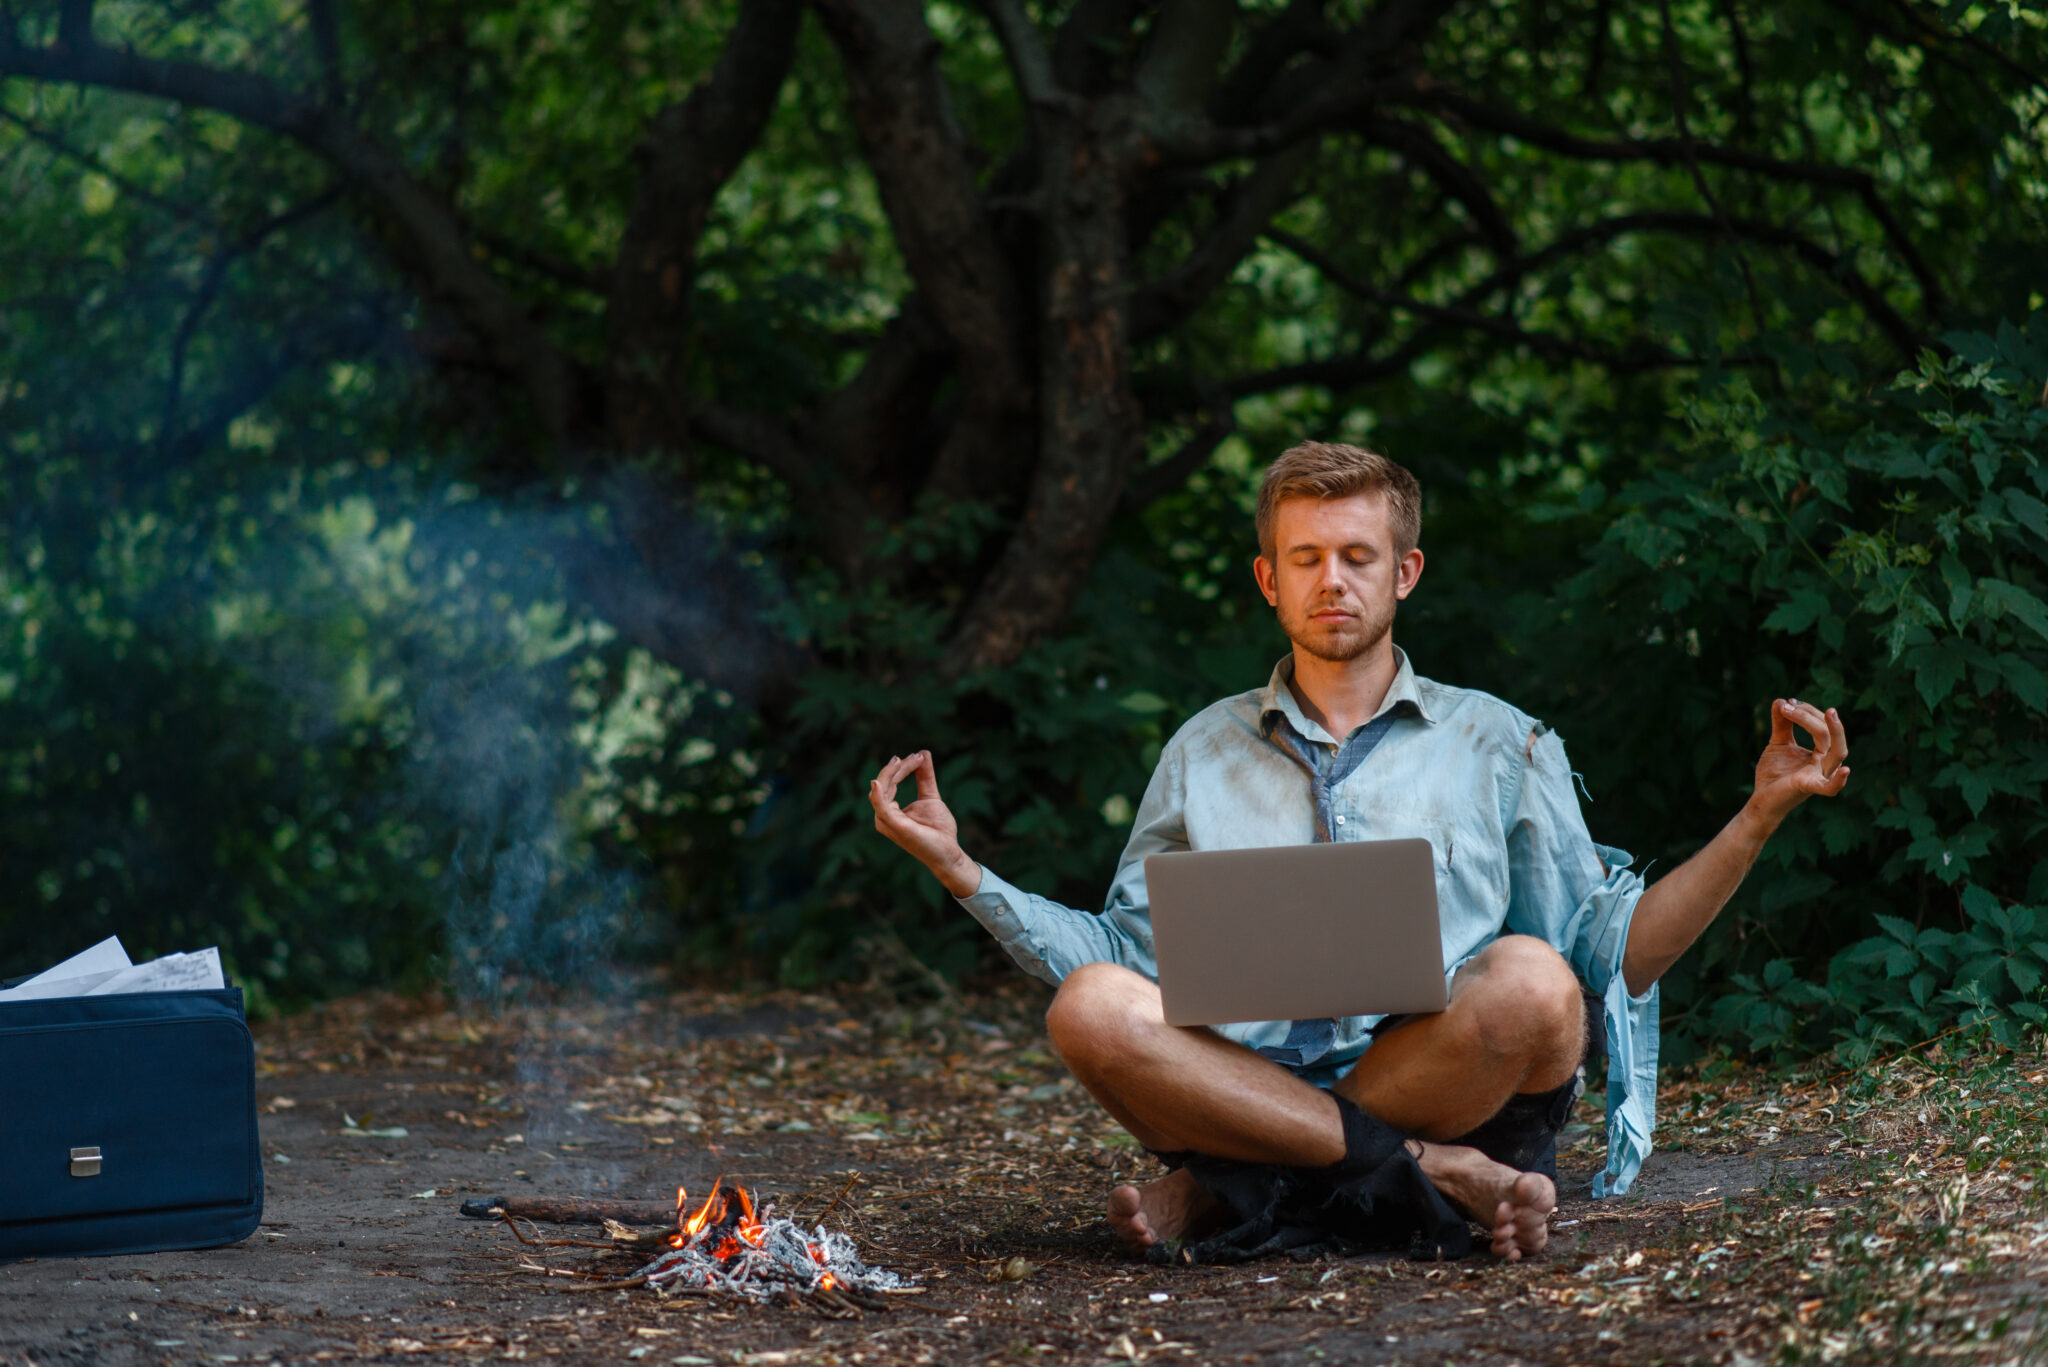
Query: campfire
[{"x": 723, "y": 1245}]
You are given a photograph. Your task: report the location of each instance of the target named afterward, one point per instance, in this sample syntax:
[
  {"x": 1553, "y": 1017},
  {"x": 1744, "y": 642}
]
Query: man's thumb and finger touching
[{"x": 1830, "y": 750}]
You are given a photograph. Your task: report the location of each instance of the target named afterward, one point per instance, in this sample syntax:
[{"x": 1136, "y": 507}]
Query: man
[{"x": 1346, "y": 742}]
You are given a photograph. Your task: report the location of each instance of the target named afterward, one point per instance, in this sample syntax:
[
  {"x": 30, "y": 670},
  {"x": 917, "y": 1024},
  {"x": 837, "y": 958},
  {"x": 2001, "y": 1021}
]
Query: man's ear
[
  {"x": 1262, "y": 570},
  {"x": 1406, "y": 572}
]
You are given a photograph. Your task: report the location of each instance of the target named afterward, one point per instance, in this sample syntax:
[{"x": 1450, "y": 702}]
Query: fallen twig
[
  {"x": 572, "y": 1210},
  {"x": 834, "y": 1203},
  {"x": 619, "y": 1285}
]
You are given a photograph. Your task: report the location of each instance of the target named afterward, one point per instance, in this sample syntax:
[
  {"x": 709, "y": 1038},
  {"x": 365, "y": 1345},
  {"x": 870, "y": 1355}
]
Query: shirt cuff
[{"x": 1004, "y": 911}]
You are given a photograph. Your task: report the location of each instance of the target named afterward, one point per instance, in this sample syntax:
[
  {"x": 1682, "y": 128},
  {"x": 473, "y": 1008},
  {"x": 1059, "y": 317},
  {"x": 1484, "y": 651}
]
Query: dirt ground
[{"x": 1891, "y": 1214}]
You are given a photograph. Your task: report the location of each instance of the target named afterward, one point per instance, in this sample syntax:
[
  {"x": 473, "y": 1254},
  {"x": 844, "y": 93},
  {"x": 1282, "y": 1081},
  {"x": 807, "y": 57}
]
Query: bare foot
[
  {"x": 1516, "y": 1205},
  {"x": 1158, "y": 1210}
]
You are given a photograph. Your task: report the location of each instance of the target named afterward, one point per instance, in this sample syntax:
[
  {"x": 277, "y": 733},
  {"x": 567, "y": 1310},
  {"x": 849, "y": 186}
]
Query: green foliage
[
  {"x": 256, "y": 687},
  {"x": 1887, "y": 554},
  {"x": 1043, "y": 762},
  {"x": 346, "y": 745}
]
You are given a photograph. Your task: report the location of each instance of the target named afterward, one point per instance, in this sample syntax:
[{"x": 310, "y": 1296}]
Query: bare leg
[
  {"x": 1179, "y": 1088},
  {"x": 1515, "y": 1024},
  {"x": 1175, "y": 1087}
]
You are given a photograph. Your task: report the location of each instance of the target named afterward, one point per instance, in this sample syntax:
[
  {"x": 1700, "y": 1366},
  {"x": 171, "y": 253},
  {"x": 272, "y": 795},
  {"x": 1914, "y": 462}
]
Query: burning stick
[{"x": 570, "y": 1210}]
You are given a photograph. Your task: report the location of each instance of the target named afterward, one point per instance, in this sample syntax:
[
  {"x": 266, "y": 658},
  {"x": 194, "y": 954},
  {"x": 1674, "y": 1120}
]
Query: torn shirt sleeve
[{"x": 1581, "y": 897}]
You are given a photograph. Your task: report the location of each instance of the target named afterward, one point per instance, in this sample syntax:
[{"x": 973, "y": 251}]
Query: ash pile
[{"x": 723, "y": 1247}]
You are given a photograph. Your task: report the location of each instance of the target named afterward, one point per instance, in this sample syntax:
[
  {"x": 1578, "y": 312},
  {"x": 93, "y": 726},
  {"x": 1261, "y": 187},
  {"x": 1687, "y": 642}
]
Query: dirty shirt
[{"x": 1484, "y": 783}]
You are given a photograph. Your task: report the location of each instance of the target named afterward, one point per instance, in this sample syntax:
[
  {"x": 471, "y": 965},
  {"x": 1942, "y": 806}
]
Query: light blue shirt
[{"x": 1487, "y": 785}]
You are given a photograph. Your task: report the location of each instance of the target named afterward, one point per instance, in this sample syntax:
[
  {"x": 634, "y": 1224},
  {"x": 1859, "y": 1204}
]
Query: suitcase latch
[{"x": 85, "y": 1162}]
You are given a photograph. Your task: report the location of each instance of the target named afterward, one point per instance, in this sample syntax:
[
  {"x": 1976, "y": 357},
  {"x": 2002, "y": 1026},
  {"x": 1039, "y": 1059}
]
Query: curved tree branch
[
  {"x": 1246, "y": 91},
  {"x": 434, "y": 244},
  {"x": 1465, "y": 317},
  {"x": 690, "y": 150},
  {"x": 202, "y": 299},
  {"x": 1183, "y": 54},
  {"x": 1030, "y": 64},
  {"x": 1420, "y": 148},
  {"x": 142, "y": 194},
  {"x": 1156, "y": 481},
  {"x": 928, "y": 187},
  {"x": 1674, "y": 152},
  {"x": 1466, "y": 313},
  {"x": 1374, "y": 62},
  {"x": 1249, "y": 206}
]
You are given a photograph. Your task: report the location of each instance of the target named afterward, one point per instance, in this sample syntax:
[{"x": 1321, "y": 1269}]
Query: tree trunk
[{"x": 1090, "y": 428}]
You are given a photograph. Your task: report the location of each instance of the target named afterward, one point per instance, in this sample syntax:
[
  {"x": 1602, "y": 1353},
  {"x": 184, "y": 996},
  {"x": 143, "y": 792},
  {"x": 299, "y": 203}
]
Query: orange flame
[
  {"x": 696, "y": 1222},
  {"x": 827, "y": 1282},
  {"x": 712, "y": 1213},
  {"x": 750, "y": 1230}
]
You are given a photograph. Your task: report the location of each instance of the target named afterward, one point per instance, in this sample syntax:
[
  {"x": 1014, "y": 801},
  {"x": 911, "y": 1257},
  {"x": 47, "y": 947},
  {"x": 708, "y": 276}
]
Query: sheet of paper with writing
[{"x": 194, "y": 972}]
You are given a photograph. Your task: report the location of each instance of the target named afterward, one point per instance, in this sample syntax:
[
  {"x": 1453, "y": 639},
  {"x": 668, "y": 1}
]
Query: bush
[
  {"x": 349, "y": 747},
  {"x": 1891, "y": 557}
]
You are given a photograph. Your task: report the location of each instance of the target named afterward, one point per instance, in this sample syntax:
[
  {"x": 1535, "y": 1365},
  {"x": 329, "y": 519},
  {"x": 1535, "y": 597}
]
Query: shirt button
[{"x": 1340, "y": 821}]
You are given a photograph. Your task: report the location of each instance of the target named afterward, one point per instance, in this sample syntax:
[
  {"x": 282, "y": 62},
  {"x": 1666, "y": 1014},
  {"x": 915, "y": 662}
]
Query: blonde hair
[{"x": 1328, "y": 469}]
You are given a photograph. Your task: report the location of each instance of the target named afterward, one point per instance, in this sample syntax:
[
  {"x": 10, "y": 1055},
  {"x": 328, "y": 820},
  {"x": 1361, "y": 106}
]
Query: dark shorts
[{"x": 1524, "y": 1134}]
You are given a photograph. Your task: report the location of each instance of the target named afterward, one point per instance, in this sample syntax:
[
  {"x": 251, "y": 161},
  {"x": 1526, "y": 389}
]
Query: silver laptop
[{"x": 1296, "y": 931}]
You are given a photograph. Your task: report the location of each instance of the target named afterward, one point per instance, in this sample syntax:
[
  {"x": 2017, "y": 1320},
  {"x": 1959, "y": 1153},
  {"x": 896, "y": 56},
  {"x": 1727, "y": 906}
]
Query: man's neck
[{"x": 1342, "y": 696}]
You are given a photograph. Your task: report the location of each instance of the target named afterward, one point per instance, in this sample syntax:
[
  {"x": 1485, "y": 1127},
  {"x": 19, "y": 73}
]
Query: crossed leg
[{"x": 1514, "y": 1024}]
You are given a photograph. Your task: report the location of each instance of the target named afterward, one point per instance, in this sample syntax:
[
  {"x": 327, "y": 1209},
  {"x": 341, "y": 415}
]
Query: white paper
[
  {"x": 76, "y": 976},
  {"x": 193, "y": 972}
]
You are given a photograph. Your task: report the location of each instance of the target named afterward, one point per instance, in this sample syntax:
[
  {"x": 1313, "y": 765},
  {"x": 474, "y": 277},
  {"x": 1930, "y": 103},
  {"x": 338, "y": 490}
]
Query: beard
[{"x": 1342, "y": 644}]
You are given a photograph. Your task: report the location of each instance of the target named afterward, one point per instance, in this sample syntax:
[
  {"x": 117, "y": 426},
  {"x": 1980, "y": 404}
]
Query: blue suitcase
[{"x": 127, "y": 1124}]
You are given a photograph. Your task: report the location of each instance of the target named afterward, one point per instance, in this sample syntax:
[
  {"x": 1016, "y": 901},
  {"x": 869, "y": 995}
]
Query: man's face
[{"x": 1334, "y": 575}]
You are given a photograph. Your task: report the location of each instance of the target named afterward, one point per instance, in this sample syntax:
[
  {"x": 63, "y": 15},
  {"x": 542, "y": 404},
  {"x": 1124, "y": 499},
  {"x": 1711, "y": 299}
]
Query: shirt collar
[{"x": 1277, "y": 700}]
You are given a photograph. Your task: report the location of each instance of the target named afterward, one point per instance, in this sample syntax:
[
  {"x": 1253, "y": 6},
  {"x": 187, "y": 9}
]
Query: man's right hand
[{"x": 925, "y": 828}]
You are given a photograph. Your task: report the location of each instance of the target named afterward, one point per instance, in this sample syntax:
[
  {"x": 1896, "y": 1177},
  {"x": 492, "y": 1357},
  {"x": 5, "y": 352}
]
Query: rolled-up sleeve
[{"x": 1581, "y": 897}]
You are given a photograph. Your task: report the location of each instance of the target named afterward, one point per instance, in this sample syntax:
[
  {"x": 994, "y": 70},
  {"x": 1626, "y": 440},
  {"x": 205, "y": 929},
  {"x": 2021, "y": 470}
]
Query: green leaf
[
  {"x": 1798, "y": 612},
  {"x": 1899, "y": 930},
  {"x": 1940, "y": 667},
  {"x": 1794, "y": 888},
  {"x": 1143, "y": 703},
  {"x": 2028, "y": 511},
  {"x": 1922, "y": 988},
  {"x": 2018, "y": 602},
  {"x": 1975, "y": 347},
  {"x": 1981, "y": 905},
  {"x": 1976, "y": 789},
  {"x": 2029, "y": 684}
]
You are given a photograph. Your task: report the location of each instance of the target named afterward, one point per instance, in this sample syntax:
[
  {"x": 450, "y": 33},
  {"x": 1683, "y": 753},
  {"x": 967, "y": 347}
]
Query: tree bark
[
  {"x": 688, "y": 153},
  {"x": 1091, "y": 428}
]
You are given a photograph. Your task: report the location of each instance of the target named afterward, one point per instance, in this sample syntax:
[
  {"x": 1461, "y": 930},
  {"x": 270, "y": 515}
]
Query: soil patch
[{"x": 1890, "y": 1214}]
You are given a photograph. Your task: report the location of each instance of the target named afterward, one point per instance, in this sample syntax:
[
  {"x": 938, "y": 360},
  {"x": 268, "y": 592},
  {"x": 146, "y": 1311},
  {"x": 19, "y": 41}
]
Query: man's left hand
[{"x": 1788, "y": 773}]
